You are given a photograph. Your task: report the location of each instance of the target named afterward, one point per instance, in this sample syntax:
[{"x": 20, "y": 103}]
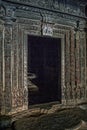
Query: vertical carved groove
[
  {"x": 83, "y": 65},
  {"x": 15, "y": 67},
  {"x": 1, "y": 69},
  {"x": 77, "y": 78},
  {"x": 67, "y": 65},
  {"x": 25, "y": 72},
  {"x": 67, "y": 54},
  {"x": 77, "y": 59},
  {"x": 7, "y": 50},
  {"x": 72, "y": 63},
  {"x": 63, "y": 70},
  {"x": 72, "y": 54},
  {"x": 20, "y": 85}
]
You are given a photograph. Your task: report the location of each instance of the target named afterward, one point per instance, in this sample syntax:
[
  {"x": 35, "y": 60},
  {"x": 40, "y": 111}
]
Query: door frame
[{"x": 62, "y": 37}]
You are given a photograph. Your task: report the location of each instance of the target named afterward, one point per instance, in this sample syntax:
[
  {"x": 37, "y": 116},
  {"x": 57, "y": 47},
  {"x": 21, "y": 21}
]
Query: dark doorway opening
[{"x": 44, "y": 69}]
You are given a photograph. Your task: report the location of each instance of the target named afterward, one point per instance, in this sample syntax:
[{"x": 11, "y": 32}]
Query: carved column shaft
[
  {"x": 19, "y": 89},
  {"x": 8, "y": 67},
  {"x": 86, "y": 64},
  {"x": 72, "y": 60},
  {"x": 77, "y": 76},
  {"x": 25, "y": 72},
  {"x": 67, "y": 65},
  {"x": 67, "y": 58},
  {"x": 15, "y": 91},
  {"x": 1, "y": 70},
  {"x": 83, "y": 63},
  {"x": 20, "y": 68},
  {"x": 77, "y": 59},
  {"x": 83, "y": 91},
  {"x": 72, "y": 63},
  {"x": 63, "y": 87}
]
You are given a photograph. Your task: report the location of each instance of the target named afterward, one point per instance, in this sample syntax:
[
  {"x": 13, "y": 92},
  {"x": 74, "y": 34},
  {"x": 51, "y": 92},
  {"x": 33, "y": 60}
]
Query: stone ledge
[
  {"x": 17, "y": 110},
  {"x": 80, "y": 126}
]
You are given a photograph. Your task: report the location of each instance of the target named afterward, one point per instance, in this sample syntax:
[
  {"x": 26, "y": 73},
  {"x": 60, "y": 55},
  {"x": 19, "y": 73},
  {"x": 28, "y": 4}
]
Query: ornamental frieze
[
  {"x": 9, "y": 12},
  {"x": 66, "y": 6},
  {"x": 51, "y": 16}
]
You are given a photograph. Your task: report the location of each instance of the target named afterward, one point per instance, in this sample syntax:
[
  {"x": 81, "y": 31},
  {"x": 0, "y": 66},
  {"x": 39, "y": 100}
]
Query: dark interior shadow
[{"x": 44, "y": 61}]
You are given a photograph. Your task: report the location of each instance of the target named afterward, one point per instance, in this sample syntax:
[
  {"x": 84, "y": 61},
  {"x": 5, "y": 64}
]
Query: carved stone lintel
[{"x": 71, "y": 7}]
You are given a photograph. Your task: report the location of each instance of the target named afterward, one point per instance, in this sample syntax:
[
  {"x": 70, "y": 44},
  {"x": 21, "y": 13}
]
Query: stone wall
[{"x": 17, "y": 21}]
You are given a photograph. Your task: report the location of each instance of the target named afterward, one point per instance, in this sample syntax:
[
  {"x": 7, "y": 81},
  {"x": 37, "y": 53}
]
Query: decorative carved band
[{"x": 70, "y": 7}]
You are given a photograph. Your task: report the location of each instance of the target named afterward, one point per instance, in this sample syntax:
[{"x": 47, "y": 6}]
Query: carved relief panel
[
  {"x": 13, "y": 50},
  {"x": 8, "y": 70}
]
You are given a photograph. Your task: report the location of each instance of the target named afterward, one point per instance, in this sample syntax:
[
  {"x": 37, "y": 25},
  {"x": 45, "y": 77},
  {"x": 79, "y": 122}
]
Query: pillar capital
[{"x": 7, "y": 14}]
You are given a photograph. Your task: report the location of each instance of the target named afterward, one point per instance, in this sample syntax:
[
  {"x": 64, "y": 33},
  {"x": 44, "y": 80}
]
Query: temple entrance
[{"x": 44, "y": 69}]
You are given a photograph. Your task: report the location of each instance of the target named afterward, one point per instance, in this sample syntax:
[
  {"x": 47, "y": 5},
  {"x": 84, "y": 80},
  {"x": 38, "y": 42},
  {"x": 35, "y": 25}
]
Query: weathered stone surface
[
  {"x": 19, "y": 20},
  {"x": 68, "y": 6}
]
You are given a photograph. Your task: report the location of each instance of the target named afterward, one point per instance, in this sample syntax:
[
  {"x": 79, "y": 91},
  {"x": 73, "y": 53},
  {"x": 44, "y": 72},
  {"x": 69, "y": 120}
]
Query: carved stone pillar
[
  {"x": 77, "y": 58},
  {"x": 77, "y": 77},
  {"x": 83, "y": 63},
  {"x": 1, "y": 71},
  {"x": 19, "y": 88},
  {"x": 67, "y": 66},
  {"x": 72, "y": 63},
  {"x": 63, "y": 87},
  {"x": 8, "y": 65},
  {"x": 25, "y": 103},
  {"x": 15, "y": 58},
  {"x": 6, "y": 55},
  {"x": 20, "y": 68}
]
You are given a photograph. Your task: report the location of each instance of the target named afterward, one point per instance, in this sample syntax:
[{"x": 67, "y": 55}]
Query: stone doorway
[{"x": 44, "y": 69}]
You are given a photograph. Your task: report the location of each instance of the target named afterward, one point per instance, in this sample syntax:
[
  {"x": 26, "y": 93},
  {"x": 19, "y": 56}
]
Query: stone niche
[{"x": 51, "y": 20}]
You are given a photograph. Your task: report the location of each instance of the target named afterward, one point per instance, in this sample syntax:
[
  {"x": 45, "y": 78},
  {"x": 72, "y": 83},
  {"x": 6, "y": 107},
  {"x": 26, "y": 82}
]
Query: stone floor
[
  {"x": 36, "y": 111},
  {"x": 83, "y": 126}
]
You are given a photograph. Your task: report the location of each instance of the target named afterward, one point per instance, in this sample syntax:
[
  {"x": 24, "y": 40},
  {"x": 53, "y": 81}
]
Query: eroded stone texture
[
  {"x": 1, "y": 71},
  {"x": 72, "y": 63},
  {"x": 29, "y": 20},
  {"x": 15, "y": 66},
  {"x": 7, "y": 58},
  {"x": 67, "y": 66}
]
